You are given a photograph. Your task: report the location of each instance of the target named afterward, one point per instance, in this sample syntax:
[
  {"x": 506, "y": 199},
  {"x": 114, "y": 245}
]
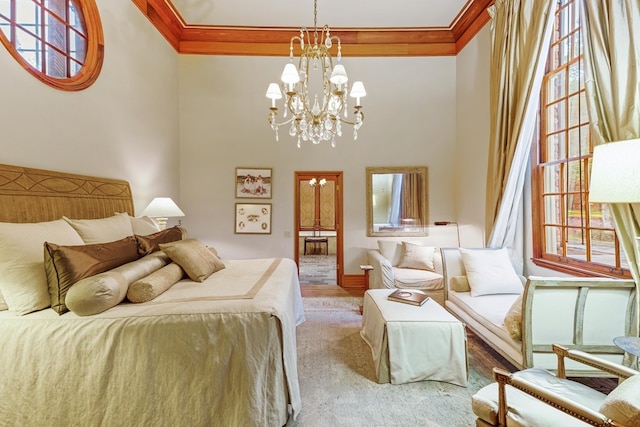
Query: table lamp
[{"x": 161, "y": 209}]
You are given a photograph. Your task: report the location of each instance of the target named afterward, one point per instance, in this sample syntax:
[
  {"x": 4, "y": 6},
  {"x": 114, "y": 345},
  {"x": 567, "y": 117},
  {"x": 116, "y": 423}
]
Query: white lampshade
[
  {"x": 339, "y": 75},
  {"x": 273, "y": 91},
  {"x": 290, "y": 74},
  {"x": 615, "y": 173},
  {"x": 357, "y": 91},
  {"x": 162, "y": 208}
]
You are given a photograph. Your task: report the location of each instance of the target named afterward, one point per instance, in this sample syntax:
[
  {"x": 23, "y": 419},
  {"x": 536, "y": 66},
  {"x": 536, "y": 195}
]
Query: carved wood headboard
[{"x": 35, "y": 195}]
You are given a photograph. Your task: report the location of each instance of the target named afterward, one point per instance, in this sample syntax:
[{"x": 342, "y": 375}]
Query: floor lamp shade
[{"x": 615, "y": 173}]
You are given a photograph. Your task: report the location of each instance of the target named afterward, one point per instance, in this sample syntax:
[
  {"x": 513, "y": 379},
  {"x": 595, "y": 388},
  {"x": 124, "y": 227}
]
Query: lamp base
[{"x": 162, "y": 222}]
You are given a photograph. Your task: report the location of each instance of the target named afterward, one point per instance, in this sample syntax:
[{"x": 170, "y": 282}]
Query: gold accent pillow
[
  {"x": 148, "y": 244},
  {"x": 198, "y": 261},
  {"x": 460, "y": 284},
  {"x": 66, "y": 265},
  {"x": 513, "y": 320},
  {"x": 622, "y": 405}
]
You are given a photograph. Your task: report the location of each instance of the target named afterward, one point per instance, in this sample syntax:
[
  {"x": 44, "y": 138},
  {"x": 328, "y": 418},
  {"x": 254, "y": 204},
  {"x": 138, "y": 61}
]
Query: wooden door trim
[{"x": 336, "y": 176}]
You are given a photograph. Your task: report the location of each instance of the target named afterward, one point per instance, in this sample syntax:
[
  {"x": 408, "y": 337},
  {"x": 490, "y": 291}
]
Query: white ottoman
[{"x": 413, "y": 343}]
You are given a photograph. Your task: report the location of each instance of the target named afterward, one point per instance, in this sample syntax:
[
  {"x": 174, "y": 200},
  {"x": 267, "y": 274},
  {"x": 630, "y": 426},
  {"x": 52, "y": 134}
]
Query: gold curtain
[
  {"x": 411, "y": 197},
  {"x": 520, "y": 33},
  {"x": 612, "y": 66}
]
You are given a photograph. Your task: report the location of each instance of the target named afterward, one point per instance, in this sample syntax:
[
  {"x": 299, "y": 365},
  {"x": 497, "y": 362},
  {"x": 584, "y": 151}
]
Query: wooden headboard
[{"x": 35, "y": 195}]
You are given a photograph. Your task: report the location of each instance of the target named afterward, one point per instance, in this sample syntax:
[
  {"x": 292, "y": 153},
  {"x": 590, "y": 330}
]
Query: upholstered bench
[{"x": 413, "y": 343}]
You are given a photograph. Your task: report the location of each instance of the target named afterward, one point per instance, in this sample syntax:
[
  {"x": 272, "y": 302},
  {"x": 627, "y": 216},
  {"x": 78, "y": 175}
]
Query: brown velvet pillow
[
  {"x": 66, "y": 265},
  {"x": 150, "y": 242}
]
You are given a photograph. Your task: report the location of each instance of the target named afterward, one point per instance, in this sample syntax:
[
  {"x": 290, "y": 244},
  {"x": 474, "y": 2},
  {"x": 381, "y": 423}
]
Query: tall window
[
  {"x": 571, "y": 234},
  {"x": 54, "y": 39}
]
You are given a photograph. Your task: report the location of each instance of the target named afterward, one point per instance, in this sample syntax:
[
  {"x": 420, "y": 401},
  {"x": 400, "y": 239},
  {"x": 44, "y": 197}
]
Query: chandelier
[
  {"x": 319, "y": 117},
  {"x": 313, "y": 182}
]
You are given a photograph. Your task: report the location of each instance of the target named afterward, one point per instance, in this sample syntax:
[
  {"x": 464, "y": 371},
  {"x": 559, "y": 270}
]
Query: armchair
[{"x": 535, "y": 397}]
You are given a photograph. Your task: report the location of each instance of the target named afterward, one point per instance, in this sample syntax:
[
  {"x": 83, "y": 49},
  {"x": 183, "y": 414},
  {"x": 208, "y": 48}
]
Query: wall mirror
[{"x": 397, "y": 201}]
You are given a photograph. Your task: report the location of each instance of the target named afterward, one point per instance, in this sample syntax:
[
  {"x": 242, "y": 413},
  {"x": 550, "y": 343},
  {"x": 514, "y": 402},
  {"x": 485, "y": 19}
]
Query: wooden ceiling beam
[{"x": 274, "y": 41}]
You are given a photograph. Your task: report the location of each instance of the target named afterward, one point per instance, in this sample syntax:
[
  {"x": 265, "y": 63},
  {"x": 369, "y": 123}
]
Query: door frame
[{"x": 337, "y": 177}]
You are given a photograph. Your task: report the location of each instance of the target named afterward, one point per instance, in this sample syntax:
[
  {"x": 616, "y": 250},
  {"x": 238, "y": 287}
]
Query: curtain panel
[{"x": 520, "y": 36}]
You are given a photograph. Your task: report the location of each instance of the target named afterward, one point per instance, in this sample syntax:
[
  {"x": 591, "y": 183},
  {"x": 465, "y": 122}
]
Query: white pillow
[
  {"x": 102, "y": 230},
  {"x": 417, "y": 257},
  {"x": 23, "y": 281},
  {"x": 391, "y": 250},
  {"x": 143, "y": 225},
  {"x": 490, "y": 271}
]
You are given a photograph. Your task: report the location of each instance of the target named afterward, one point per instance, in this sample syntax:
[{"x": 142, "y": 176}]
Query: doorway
[{"x": 318, "y": 227}]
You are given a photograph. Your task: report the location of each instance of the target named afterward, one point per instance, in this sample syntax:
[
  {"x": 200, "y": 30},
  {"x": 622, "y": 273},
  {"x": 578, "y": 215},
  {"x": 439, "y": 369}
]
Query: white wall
[
  {"x": 472, "y": 138},
  {"x": 410, "y": 118},
  {"x": 124, "y": 126}
]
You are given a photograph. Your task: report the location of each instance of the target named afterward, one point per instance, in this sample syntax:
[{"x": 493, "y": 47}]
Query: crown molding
[{"x": 274, "y": 41}]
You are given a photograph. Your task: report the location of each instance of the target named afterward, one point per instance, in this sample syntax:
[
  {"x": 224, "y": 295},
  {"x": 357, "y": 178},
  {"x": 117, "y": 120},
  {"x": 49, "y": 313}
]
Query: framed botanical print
[
  {"x": 253, "y": 218},
  {"x": 253, "y": 183}
]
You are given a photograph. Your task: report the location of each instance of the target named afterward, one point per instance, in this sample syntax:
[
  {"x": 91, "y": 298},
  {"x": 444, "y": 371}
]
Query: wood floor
[{"x": 329, "y": 291}]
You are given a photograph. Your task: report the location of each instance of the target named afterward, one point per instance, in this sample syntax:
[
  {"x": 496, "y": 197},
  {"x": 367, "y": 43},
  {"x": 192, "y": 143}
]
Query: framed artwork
[
  {"x": 253, "y": 218},
  {"x": 253, "y": 183}
]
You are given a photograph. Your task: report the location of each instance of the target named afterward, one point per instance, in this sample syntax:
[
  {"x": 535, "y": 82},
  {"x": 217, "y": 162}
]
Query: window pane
[
  {"x": 603, "y": 247},
  {"x": 56, "y": 33},
  {"x": 29, "y": 48},
  {"x": 552, "y": 179},
  {"x": 77, "y": 46},
  {"x": 575, "y": 178},
  {"x": 574, "y": 110},
  {"x": 556, "y": 117},
  {"x": 56, "y": 63},
  {"x": 576, "y": 74},
  {"x": 601, "y": 215},
  {"x": 553, "y": 210},
  {"x": 553, "y": 240},
  {"x": 5, "y": 9},
  {"x": 28, "y": 16},
  {"x": 576, "y": 244},
  {"x": 555, "y": 147},
  {"x": 556, "y": 85}
]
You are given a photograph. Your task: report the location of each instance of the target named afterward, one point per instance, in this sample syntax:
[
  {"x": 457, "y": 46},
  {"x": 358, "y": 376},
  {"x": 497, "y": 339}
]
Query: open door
[{"x": 318, "y": 213}]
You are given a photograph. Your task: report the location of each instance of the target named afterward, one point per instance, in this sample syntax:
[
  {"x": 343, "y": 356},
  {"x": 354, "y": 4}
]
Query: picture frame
[
  {"x": 253, "y": 183},
  {"x": 253, "y": 218}
]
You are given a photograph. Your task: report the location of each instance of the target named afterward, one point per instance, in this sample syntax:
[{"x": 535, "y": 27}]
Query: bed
[{"x": 219, "y": 352}]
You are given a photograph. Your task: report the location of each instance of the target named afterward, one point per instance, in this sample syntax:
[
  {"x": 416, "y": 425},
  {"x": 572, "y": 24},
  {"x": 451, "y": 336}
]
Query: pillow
[
  {"x": 154, "y": 284},
  {"x": 490, "y": 271},
  {"x": 622, "y": 405},
  {"x": 143, "y": 225},
  {"x": 460, "y": 284},
  {"x": 198, "y": 261},
  {"x": 417, "y": 257},
  {"x": 23, "y": 282},
  {"x": 3, "y": 304},
  {"x": 98, "y": 293},
  {"x": 66, "y": 265},
  {"x": 102, "y": 230},
  {"x": 391, "y": 250},
  {"x": 148, "y": 244},
  {"x": 95, "y": 294},
  {"x": 513, "y": 319}
]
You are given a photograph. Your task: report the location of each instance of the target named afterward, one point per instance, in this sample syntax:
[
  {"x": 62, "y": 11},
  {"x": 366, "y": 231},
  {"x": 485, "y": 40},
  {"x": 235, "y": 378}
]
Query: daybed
[
  {"x": 398, "y": 264},
  {"x": 522, "y": 322},
  {"x": 204, "y": 350}
]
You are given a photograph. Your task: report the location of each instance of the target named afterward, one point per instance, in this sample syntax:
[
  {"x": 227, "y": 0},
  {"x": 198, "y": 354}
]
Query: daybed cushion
[
  {"x": 98, "y": 293},
  {"x": 194, "y": 257},
  {"x": 417, "y": 257},
  {"x": 23, "y": 281},
  {"x": 622, "y": 405},
  {"x": 490, "y": 271},
  {"x": 66, "y": 265},
  {"x": 102, "y": 230},
  {"x": 154, "y": 284},
  {"x": 149, "y": 243}
]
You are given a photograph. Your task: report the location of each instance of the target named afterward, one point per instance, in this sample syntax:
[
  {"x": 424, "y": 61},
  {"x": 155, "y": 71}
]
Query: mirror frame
[{"x": 420, "y": 170}]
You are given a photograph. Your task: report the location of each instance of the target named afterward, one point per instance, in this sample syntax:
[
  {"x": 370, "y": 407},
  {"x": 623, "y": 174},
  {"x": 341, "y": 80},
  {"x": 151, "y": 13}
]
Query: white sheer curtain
[{"x": 521, "y": 33}]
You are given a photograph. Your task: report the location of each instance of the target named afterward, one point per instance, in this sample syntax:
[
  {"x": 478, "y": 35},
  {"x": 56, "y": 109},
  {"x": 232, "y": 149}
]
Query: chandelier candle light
[{"x": 313, "y": 119}]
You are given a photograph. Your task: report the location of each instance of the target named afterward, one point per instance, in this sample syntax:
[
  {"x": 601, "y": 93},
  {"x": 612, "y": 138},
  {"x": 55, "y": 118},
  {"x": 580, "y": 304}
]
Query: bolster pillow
[{"x": 154, "y": 284}]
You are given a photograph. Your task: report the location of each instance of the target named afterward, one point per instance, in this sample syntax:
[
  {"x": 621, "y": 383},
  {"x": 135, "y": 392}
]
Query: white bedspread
[{"x": 201, "y": 354}]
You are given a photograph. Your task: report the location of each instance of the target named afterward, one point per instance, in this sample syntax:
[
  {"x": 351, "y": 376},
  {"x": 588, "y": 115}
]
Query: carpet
[
  {"x": 338, "y": 384},
  {"x": 317, "y": 270}
]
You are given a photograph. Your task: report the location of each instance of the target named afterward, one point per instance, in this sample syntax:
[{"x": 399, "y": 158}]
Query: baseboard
[{"x": 353, "y": 281}]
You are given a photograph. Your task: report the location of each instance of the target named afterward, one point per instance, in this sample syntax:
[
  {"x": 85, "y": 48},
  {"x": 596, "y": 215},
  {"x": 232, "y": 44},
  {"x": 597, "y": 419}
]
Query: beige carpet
[{"x": 339, "y": 387}]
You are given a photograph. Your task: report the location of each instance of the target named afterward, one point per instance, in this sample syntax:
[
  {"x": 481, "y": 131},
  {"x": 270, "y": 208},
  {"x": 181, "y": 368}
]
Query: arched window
[{"x": 60, "y": 42}]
